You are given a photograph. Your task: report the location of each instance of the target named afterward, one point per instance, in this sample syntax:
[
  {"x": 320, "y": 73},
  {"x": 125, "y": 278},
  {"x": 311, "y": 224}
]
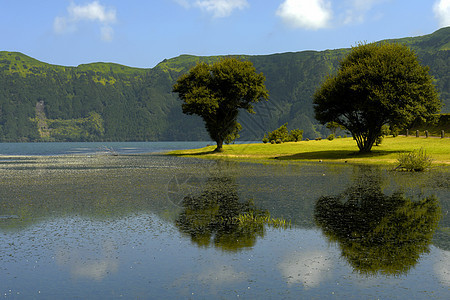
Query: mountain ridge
[{"x": 138, "y": 104}]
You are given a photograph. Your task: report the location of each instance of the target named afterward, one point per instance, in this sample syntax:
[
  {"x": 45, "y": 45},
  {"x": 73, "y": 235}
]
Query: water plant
[
  {"x": 417, "y": 160},
  {"x": 249, "y": 218}
]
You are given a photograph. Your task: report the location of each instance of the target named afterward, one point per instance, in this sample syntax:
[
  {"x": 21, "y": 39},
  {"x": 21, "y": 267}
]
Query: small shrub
[
  {"x": 330, "y": 137},
  {"x": 295, "y": 135},
  {"x": 265, "y": 140},
  {"x": 284, "y": 134},
  {"x": 318, "y": 138},
  {"x": 281, "y": 133},
  {"x": 279, "y": 141},
  {"x": 417, "y": 160},
  {"x": 394, "y": 131},
  {"x": 379, "y": 140},
  {"x": 272, "y": 141},
  {"x": 385, "y": 130}
]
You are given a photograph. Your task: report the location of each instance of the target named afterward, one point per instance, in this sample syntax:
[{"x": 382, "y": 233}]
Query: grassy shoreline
[{"x": 341, "y": 150}]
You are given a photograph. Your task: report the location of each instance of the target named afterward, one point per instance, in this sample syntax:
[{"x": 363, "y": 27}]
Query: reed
[{"x": 252, "y": 219}]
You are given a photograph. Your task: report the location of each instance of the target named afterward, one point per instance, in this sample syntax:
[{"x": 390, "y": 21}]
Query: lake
[{"x": 79, "y": 222}]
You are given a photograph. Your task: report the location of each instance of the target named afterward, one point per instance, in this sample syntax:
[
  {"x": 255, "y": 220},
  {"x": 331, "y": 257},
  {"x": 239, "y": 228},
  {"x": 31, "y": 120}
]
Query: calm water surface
[
  {"x": 94, "y": 148},
  {"x": 151, "y": 226}
]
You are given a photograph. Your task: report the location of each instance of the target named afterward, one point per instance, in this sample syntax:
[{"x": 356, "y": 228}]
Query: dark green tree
[
  {"x": 216, "y": 93},
  {"x": 376, "y": 84}
]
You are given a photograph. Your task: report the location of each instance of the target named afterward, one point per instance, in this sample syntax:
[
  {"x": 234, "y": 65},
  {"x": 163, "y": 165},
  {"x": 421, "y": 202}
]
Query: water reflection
[
  {"x": 104, "y": 232},
  {"x": 442, "y": 268},
  {"x": 81, "y": 264},
  {"x": 210, "y": 217},
  {"x": 376, "y": 232},
  {"x": 309, "y": 267}
]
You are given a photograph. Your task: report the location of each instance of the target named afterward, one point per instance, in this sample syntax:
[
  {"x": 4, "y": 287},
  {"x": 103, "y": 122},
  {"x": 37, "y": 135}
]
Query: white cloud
[
  {"x": 107, "y": 33},
  {"x": 221, "y": 8},
  {"x": 184, "y": 3},
  {"x": 357, "y": 10},
  {"x": 308, "y": 14},
  {"x": 92, "y": 12},
  {"x": 218, "y": 8},
  {"x": 441, "y": 9},
  {"x": 60, "y": 25}
]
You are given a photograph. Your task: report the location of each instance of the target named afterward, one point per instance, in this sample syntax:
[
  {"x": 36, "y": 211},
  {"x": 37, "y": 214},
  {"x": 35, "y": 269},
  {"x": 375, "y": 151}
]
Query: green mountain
[{"x": 111, "y": 102}]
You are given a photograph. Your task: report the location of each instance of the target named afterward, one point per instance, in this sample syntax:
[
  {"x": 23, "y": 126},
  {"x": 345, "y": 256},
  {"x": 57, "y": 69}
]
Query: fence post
[
  {"x": 442, "y": 134},
  {"x": 417, "y": 133},
  {"x": 426, "y": 133},
  {"x": 407, "y": 132}
]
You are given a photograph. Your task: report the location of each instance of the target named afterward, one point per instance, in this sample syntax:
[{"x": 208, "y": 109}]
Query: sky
[{"x": 142, "y": 33}]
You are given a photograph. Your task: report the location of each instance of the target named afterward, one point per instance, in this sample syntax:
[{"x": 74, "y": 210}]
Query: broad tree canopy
[
  {"x": 376, "y": 84},
  {"x": 216, "y": 93}
]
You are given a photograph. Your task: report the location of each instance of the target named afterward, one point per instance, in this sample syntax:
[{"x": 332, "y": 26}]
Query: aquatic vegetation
[
  {"x": 249, "y": 219},
  {"x": 417, "y": 160}
]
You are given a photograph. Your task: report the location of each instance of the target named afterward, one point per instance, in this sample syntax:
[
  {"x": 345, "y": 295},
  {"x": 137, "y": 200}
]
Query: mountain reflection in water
[{"x": 376, "y": 232}]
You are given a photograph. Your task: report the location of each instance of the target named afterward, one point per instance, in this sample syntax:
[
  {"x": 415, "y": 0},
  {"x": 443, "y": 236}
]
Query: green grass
[{"x": 342, "y": 150}]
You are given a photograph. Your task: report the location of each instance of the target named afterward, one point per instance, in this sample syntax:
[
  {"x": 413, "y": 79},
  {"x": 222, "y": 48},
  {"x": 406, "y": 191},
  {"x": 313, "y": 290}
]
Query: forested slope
[{"x": 110, "y": 102}]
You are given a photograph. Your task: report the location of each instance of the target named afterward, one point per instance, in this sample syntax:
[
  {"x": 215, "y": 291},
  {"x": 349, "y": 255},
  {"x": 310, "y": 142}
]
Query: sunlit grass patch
[{"x": 342, "y": 150}]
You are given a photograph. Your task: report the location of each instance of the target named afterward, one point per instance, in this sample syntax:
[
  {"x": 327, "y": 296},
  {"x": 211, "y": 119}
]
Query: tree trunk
[
  {"x": 364, "y": 143},
  {"x": 367, "y": 144},
  {"x": 219, "y": 146}
]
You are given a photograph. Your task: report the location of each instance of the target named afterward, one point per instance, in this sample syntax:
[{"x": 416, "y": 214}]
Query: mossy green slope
[{"x": 138, "y": 104}]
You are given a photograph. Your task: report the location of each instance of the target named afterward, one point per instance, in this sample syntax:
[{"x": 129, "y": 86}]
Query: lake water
[
  {"x": 94, "y": 148},
  {"x": 76, "y": 222}
]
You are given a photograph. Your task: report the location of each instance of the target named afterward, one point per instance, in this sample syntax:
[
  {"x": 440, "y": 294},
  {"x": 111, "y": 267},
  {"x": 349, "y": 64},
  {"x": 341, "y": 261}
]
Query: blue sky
[{"x": 141, "y": 33}]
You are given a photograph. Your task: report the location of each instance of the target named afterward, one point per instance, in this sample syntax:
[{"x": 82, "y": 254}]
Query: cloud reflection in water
[
  {"x": 308, "y": 267},
  {"x": 83, "y": 265}
]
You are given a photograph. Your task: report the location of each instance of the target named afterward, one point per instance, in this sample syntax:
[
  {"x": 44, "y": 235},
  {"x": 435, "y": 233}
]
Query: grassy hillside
[
  {"x": 137, "y": 104},
  {"x": 438, "y": 41}
]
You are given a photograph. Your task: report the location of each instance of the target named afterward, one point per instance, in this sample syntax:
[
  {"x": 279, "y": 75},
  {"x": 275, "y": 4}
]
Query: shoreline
[{"x": 339, "y": 150}]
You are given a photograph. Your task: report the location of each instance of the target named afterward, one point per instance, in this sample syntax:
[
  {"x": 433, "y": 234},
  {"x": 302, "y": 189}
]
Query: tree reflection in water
[
  {"x": 211, "y": 218},
  {"x": 378, "y": 233}
]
